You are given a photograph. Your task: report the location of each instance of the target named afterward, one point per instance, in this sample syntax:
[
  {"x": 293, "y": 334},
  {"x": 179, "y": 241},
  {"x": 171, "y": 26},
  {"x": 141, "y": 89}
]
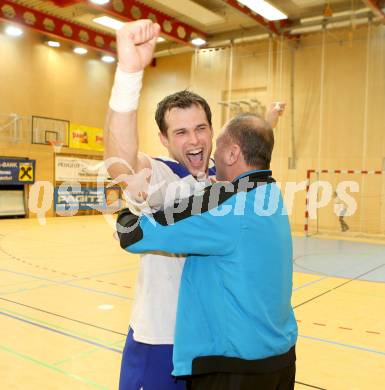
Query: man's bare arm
[
  {"x": 136, "y": 43},
  {"x": 121, "y": 141}
]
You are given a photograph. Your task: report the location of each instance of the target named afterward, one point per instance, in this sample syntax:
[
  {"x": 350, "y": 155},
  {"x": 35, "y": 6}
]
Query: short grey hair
[{"x": 254, "y": 136}]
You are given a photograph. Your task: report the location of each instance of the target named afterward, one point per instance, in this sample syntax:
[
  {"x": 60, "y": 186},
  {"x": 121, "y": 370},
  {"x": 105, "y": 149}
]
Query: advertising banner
[
  {"x": 75, "y": 169},
  {"x": 14, "y": 171},
  {"x": 97, "y": 140},
  {"x": 87, "y": 198},
  {"x": 86, "y": 137}
]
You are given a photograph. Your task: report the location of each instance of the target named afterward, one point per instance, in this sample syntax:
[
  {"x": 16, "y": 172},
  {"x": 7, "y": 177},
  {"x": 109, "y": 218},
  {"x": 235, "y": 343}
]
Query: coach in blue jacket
[{"x": 235, "y": 327}]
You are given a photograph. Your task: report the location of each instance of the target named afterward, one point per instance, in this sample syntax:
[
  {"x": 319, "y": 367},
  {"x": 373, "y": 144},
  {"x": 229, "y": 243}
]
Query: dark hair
[
  {"x": 182, "y": 99},
  {"x": 255, "y": 138}
]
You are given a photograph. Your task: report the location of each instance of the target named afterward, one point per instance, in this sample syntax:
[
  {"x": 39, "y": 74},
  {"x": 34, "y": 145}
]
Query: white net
[
  {"x": 56, "y": 146},
  {"x": 15, "y": 128},
  {"x": 354, "y": 203}
]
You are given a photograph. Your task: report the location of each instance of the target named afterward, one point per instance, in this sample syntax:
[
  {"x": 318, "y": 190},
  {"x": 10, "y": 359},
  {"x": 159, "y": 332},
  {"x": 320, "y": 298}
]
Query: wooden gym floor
[{"x": 66, "y": 291}]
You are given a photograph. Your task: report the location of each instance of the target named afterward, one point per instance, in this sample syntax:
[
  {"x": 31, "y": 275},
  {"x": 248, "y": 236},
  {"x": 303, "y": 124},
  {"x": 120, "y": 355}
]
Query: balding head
[
  {"x": 255, "y": 138},
  {"x": 246, "y": 143}
]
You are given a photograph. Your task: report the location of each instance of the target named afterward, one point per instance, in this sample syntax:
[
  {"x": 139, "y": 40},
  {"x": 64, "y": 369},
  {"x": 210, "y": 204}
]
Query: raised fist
[
  {"x": 273, "y": 113},
  {"x": 136, "y": 43}
]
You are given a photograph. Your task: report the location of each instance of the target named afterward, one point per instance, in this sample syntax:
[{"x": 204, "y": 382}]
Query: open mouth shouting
[{"x": 195, "y": 157}]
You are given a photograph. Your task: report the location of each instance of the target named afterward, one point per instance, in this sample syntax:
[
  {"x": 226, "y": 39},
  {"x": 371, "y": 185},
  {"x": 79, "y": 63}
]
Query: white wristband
[{"x": 126, "y": 91}]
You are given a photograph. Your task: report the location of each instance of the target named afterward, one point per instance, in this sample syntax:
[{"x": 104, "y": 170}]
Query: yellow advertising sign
[
  {"x": 97, "y": 140},
  {"x": 85, "y": 137},
  {"x": 26, "y": 172}
]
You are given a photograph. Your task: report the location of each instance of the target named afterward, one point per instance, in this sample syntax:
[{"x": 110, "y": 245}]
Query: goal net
[
  {"x": 345, "y": 202},
  {"x": 15, "y": 128}
]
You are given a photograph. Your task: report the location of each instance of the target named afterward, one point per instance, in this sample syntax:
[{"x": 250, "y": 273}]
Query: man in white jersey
[{"x": 184, "y": 121}]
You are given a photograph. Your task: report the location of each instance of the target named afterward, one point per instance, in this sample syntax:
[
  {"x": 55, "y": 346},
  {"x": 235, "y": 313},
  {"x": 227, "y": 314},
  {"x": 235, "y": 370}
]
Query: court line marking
[
  {"x": 62, "y": 284},
  {"x": 53, "y": 368},
  {"x": 313, "y": 272},
  {"x": 340, "y": 327},
  {"x": 310, "y": 283},
  {"x": 68, "y": 281},
  {"x": 338, "y": 286},
  {"x": 61, "y": 316},
  {"x": 39, "y": 266},
  {"x": 55, "y": 326},
  {"x": 312, "y": 386},
  {"x": 83, "y": 354},
  {"x": 63, "y": 333},
  {"x": 309, "y": 271},
  {"x": 351, "y": 346},
  {"x": 105, "y": 274},
  {"x": 75, "y": 276}
]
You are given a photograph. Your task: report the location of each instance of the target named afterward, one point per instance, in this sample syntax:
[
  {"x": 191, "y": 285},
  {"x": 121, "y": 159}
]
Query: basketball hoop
[{"x": 57, "y": 145}]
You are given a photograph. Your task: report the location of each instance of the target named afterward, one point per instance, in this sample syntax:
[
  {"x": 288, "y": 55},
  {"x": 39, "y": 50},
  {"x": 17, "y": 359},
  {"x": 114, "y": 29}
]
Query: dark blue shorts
[{"x": 147, "y": 367}]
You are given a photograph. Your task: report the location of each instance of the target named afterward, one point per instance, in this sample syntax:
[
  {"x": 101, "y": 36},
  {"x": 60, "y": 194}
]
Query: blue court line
[
  {"x": 343, "y": 345},
  {"x": 62, "y": 333},
  {"x": 310, "y": 283},
  {"x": 37, "y": 321},
  {"x": 61, "y": 283}
]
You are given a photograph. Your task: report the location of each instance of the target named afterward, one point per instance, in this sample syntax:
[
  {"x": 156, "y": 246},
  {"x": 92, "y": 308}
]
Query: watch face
[{"x": 112, "y": 195}]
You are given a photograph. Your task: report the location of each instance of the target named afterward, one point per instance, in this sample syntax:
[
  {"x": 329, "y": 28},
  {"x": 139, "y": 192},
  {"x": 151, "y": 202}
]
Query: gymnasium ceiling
[{"x": 217, "y": 21}]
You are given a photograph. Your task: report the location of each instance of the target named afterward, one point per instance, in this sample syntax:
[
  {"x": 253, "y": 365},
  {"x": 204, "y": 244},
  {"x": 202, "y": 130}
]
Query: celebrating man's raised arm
[{"x": 135, "y": 43}]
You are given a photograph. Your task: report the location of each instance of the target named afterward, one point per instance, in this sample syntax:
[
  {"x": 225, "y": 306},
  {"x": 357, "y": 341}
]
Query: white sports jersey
[{"x": 154, "y": 309}]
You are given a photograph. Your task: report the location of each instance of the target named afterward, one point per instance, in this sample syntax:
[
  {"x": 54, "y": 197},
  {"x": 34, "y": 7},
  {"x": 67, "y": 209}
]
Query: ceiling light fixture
[
  {"x": 108, "y": 59},
  {"x": 109, "y": 22},
  {"x": 198, "y": 42},
  {"x": 53, "y": 43},
  {"x": 264, "y": 9},
  {"x": 100, "y": 2},
  {"x": 80, "y": 50},
  {"x": 13, "y": 31}
]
